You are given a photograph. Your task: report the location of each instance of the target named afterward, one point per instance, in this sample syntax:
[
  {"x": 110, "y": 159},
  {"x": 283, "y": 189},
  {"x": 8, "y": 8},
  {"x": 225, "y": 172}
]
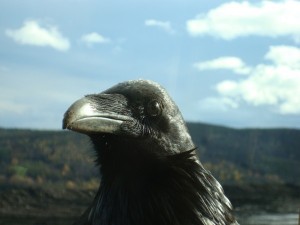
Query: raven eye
[{"x": 154, "y": 108}]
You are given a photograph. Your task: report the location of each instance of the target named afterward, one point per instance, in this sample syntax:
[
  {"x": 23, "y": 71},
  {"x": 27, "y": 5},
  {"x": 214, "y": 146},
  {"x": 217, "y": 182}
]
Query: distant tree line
[{"x": 233, "y": 156}]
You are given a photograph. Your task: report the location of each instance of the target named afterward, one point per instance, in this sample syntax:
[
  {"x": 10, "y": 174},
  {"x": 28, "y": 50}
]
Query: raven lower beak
[{"x": 88, "y": 116}]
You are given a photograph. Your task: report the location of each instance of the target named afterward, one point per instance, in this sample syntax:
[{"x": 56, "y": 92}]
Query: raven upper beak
[{"x": 89, "y": 116}]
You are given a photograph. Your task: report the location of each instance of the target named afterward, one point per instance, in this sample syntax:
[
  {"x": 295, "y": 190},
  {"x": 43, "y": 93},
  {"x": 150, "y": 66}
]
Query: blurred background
[{"x": 233, "y": 68}]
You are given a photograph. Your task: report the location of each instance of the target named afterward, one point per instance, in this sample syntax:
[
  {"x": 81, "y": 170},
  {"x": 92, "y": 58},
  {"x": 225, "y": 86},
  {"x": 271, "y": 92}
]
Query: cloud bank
[
  {"x": 230, "y": 63},
  {"x": 32, "y": 33},
  {"x": 275, "y": 83},
  {"x": 236, "y": 19}
]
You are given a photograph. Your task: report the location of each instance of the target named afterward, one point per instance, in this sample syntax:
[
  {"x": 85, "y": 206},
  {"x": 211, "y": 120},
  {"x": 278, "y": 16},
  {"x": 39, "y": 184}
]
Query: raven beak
[{"x": 90, "y": 116}]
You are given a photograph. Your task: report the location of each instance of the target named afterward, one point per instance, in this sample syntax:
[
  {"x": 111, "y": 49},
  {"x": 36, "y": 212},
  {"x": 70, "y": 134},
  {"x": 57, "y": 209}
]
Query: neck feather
[{"x": 167, "y": 190}]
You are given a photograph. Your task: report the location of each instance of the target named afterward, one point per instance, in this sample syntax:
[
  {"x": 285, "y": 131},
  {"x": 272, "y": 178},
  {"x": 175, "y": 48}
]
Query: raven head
[{"x": 140, "y": 111}]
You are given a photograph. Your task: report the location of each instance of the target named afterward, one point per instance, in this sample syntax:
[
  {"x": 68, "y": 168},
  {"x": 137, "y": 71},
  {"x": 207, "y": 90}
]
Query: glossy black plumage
[{"x": 150, "y": 174}]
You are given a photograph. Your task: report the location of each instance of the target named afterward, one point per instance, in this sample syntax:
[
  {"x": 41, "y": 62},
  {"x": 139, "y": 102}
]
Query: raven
[{"x": 150, "y": 174}]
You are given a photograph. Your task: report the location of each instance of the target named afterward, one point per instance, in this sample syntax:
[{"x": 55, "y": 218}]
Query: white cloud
[
  {"x": 276, "y": 84},
  {"x": 94, "y": 38},
  {"x": 284, "y": 55},
  {"x": 165, "y": 25},
  {"x": 31, "y": 33},
  {"x": 217, "y": 104},
  {"x": 236, "y": 19},
  {"x": 231, "y": 63}
]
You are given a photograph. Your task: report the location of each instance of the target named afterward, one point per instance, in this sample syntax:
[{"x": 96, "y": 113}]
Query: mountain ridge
[{"x": 252, "y": 155}]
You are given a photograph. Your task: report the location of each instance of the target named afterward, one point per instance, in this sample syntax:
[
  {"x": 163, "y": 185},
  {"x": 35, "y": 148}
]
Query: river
[{"x": 269, "y": 219}]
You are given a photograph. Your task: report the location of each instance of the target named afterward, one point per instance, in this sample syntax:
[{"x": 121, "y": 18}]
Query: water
[
  {"x": 270, "y": 219},
  {"x": 255, "y": 219},
  {"x": 36, "y": 221}
]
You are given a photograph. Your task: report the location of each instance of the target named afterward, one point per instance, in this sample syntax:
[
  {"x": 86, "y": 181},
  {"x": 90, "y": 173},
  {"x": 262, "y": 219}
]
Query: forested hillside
[
  {"x": 249, "y": 155},
  {"x": 234, "y": 156}
]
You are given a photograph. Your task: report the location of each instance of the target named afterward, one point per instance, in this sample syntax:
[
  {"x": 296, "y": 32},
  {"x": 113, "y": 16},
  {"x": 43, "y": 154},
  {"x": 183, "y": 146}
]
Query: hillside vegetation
[
  {"x": 234, "y": 156},
  {"x": 249, "y": 155}
]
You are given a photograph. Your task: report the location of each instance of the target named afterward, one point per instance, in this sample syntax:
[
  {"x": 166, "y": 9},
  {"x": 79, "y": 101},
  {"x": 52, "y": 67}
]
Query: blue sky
[{"x": 233, "y": 63}]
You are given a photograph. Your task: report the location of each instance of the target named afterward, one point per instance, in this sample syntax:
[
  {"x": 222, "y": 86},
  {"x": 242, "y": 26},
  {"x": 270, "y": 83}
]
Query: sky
[{"x": 230, "y": 63}]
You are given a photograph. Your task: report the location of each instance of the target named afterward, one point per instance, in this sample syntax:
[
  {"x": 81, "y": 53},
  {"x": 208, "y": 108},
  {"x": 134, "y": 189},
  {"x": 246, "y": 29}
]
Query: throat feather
[{"x": 170, "y": 190}]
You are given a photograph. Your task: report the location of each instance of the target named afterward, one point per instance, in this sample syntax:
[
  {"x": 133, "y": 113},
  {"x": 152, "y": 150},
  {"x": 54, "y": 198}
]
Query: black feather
[
  {"x": 150, "y": 174},
  {"x": 155, "y": 189}
]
